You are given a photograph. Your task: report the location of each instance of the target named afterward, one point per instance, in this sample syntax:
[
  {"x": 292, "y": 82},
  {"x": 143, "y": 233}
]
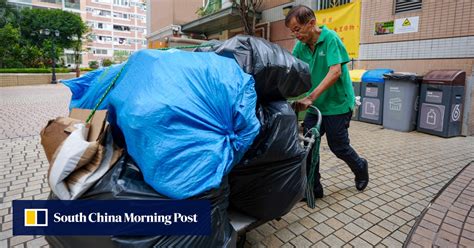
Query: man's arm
[{"x": 334, "y": 73}]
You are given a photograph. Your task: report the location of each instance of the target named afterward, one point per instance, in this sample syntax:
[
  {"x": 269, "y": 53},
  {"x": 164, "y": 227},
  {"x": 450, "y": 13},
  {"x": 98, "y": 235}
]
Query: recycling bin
[
  {"x": 441, "y": 98},
  {"x": 401, "y": 96},
  {"x": 356, "y": 78},
  {"x": 372, "y": 93}
]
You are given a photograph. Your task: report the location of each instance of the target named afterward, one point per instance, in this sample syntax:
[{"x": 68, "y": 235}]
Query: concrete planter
[{"x": 18, "y": 79}]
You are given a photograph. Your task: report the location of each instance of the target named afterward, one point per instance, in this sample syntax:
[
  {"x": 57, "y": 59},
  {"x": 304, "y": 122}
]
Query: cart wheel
[{"x": 241, "y": 240}]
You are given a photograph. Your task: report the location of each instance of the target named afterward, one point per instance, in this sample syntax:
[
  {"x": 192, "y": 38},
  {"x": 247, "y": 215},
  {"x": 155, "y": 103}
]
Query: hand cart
[{"x": 243, "y": 223}]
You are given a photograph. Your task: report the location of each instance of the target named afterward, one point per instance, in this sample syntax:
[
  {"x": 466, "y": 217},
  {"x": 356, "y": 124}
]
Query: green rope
[
  {"x": 185, "y": 47},
  {"x": 104, "y": 95},
  {"x": 310, "y": 199}
]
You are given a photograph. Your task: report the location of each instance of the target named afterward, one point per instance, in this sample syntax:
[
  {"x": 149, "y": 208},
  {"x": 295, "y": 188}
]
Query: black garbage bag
[
  {"x": 125, "y": 182},
  {"x": 271, "y": 177},
  {"x": 278, "y": 74}
]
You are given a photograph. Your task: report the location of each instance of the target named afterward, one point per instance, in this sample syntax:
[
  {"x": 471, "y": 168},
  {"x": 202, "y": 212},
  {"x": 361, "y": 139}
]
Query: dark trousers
[{"x": 335, "y": 127}]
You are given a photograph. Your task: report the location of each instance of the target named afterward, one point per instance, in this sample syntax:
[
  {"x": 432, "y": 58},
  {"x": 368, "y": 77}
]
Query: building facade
[
  {"x": 443, "y": 39},
  {"x": 118, "y": 27}
]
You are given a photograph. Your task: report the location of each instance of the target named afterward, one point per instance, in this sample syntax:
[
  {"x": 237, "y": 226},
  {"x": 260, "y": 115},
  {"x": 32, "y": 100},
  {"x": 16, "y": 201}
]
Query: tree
[
  {"x": 9, "y": 50},
  {"x": 8, "y": 14},
  {"x": 70, "y": 26},
  {"x": 78, "y": 47},
  {"x": 246, "y": 7},
  {"x": 120, "y": 56}
]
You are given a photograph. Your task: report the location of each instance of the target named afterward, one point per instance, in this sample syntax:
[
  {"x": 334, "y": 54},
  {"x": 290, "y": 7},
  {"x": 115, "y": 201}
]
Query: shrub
[
  {"x": 106, "y": 62},
  {"x": 93, "y": 64}
]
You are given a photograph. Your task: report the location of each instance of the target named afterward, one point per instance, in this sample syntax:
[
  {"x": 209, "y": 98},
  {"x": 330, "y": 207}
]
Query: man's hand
[{"x": 303, "y": 104}]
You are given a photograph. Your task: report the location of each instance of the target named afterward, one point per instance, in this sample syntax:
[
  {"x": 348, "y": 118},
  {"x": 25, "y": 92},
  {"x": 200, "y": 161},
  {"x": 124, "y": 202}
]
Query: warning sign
[{"x": 406, "y": 25}]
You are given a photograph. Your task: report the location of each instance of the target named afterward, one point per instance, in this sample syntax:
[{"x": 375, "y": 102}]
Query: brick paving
[
  {"x": 407, "y": 171},
  {"x": 449, "y": 219}
]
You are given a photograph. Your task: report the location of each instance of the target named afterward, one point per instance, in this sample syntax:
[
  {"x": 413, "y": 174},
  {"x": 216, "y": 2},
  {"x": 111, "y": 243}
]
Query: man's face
[{"x": 302, "y": 32}]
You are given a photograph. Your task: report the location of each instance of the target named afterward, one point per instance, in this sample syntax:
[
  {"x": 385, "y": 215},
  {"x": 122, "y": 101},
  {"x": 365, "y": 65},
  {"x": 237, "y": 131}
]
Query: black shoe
[{"x": 362, "y": 177}]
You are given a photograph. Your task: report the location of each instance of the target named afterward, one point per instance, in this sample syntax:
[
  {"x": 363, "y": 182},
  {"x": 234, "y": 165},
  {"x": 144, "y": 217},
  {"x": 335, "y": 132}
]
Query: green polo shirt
[{"x": 329, "y": 51}]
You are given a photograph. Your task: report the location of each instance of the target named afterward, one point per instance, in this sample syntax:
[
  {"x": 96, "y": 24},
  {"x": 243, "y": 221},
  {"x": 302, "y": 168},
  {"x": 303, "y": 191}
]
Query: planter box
[{"x": 18, "y": 79}]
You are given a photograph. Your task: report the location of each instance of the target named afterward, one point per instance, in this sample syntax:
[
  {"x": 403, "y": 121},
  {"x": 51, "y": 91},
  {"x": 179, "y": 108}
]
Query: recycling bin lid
[
  {"x": 403, "y": 76},
  {"x": 356, "y": 75},
  {"x": 375, "y": 75},
  {"x": 448, "y": 77}
]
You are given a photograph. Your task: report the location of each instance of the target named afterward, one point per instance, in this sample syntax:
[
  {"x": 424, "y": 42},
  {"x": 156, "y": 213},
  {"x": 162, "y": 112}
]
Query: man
[{"x": 331, "y": 92}]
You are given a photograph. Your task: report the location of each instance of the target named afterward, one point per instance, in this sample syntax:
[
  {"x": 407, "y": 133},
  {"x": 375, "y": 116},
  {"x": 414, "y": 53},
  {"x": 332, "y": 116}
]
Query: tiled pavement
[
  {"x": 449, "y": 220},
  {"x": 407, "y": 170}
]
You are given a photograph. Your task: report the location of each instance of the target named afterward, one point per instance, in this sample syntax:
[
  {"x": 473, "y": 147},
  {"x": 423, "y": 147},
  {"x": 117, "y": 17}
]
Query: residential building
[
  {"x": 443, "y": 39},
  {"x": 117, "y": 26}
]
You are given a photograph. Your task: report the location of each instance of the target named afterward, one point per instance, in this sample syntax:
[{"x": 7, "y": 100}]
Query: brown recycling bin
[{"x": 442, "y": 97}]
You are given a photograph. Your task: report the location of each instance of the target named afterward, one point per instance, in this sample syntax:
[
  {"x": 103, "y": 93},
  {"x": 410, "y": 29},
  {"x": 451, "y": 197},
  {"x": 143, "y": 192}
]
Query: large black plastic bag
[
  {"x": 271, "y": 178},
  {"x": 125, "y": 182},
  {"x": 278, "y": 74}
]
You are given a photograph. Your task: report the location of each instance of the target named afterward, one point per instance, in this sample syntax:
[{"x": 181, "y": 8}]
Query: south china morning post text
[
  {"x": 111, "y": 217},
  {"x": 98, "y": 217}
]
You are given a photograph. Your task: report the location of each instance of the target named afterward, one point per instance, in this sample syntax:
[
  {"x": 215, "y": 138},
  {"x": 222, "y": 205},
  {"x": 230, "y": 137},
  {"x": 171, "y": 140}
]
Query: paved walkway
[
  {"x": 449, "y": 219},
  {"x": 407, "y": 171}
]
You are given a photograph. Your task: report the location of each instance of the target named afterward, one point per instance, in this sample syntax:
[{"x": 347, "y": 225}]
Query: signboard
[
  {"x": 345, "y": 20},
  {"x": 406, "y": 25},
  {"x": 383, "y": 28}
]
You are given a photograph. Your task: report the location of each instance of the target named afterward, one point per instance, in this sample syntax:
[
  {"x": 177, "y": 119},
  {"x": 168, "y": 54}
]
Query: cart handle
[{"x": 318, "y": 113}]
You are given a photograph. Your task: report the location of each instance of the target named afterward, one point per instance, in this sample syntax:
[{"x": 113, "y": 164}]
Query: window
[
  {"x": 121, "y": 15},
  {"x": 70, "y": 59},
  {"x": 100, "y": 25},
  {"x": 407, "y": 5},
  {"x": 100, "y": 51},
  {"x": 138, "y": 4},
  {"x": 122, "y": 52},
  {"x": 121, "y": 28},
  {"x": 326, "y": 4},
  {"x": 100, "y": 12},
  {"x": 51, "y": 1},
  {"x": 102, "y": 1},
  {"x": 123, "y": 3},
  {"x": 102, "y": 39},
  {"x": 72, "y": 4},
  {"x": 121, "y": 41}
]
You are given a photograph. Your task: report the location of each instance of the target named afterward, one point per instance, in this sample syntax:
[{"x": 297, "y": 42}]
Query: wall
[
  {"x": 18, "y": 79},
  {"x": 167, "y": 12},
  {"x": 445, "y": 38}
]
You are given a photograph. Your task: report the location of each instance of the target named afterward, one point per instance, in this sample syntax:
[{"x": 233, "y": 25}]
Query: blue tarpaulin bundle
[
  {"x": 187, "y": 118},
  {"x": 88, "y": 89}
]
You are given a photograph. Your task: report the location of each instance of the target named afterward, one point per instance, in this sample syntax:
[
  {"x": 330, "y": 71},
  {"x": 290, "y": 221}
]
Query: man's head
[{"x": 301, "y": 21}]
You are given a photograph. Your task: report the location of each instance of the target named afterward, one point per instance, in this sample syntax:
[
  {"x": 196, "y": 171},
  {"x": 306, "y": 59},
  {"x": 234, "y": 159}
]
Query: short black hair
[{"x": 302, "y": 13}]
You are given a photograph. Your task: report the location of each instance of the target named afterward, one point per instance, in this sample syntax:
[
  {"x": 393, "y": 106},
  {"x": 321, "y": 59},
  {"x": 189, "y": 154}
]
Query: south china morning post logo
[
  {"x": 36, "y": 217},
  {"x": 108, "y": 217}
]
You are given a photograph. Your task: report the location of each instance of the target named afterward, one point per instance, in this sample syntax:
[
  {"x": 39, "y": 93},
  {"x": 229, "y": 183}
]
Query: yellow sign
[
  {"x": 345, "y": 20},
  {"x": 406, "y": 23}
]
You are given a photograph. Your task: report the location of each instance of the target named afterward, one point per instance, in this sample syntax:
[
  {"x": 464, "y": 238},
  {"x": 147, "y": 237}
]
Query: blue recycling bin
[{"x": 372, "y": 95}]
